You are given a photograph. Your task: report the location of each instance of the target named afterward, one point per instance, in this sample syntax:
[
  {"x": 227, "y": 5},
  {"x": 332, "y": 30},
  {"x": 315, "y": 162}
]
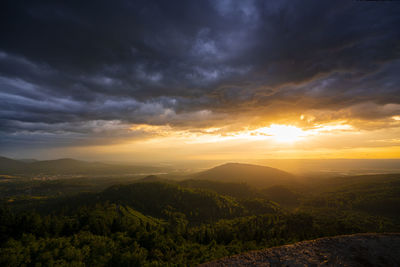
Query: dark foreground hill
[
  {"x": 254, "y": 175},
  {"x": 347, "y": 250},
  {"x": 156, "y": 198},
  {"x": 187, "y": 223}
]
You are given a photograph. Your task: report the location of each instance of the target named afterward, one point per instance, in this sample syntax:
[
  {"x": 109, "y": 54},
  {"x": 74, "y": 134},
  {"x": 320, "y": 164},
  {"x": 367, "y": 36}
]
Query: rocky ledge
[{"x": 346, "y": 250}]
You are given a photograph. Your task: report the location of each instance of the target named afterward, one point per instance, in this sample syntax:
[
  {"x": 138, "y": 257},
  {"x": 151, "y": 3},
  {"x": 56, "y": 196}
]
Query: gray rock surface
[{"x": 346, "y": 250}]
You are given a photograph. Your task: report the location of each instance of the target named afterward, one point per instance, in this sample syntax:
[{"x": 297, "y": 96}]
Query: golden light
[
  {"x": 283, "y": 133},
  {"x": 279, "y": 133}
]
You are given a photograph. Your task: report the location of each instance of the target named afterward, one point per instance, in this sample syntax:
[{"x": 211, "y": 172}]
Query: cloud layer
[{"x": 74, "y": 72}]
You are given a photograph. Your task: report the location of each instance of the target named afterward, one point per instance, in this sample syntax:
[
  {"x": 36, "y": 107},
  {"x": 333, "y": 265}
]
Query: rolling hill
[
  {"x": 9, "y": 166},
  {"x": 282, "y": 195},
  {"x": 374, "y": 194},
  {"x": 237, "y": 190},
  {"x": 156, "y": 198},
  {"x": 253, "y": 175}
]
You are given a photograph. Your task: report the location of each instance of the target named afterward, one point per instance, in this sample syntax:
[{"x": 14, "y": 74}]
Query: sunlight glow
[
  {"x": 283, "y": 133},
  {"x": 279, "y": 133},
  {"x": 332, "y": 127}
]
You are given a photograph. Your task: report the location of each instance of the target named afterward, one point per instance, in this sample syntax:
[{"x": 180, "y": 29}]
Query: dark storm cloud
[{"x": 69, "y": 63}]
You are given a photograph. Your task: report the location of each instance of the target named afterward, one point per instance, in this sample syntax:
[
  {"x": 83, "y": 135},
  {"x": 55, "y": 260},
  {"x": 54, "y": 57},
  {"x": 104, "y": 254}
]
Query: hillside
[
  {"x": 373, "y": 194},
  {"x": 282, "y": 195},
  {"x": 254, "y": 175},
  {"x": 152, "y": 198},
  {"x": 351, "y": 250},
  {"x": 156, "y": 198},
  {"x": 187, "y": 223},
  {"x": 151, "y": 179},
  {"x": 323, "y": 185},
  {"x": 9, "y": 166},
  {"x": 238, "y": 190}
]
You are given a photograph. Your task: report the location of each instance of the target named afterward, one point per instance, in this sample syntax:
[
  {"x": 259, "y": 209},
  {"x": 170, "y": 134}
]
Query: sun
[{"x": 283, "y": 133}]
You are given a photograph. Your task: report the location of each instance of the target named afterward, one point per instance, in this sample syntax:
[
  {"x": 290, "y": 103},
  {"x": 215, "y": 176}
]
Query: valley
[{"x": 192, "y": 219}]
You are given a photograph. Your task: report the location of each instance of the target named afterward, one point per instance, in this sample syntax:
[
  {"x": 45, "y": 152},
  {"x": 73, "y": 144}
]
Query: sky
[{"x": 199, "y": 80}]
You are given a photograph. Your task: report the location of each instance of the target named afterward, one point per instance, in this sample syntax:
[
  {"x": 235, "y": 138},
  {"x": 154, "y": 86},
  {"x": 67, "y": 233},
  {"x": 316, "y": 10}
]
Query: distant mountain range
[
  {"x": 70, "y": 166},
  {"x": 253, "y": 175}
]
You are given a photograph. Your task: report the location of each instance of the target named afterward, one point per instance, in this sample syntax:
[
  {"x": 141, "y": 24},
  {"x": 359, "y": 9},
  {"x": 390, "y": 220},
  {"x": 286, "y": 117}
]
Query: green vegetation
[{"x": 156, "y": 222}]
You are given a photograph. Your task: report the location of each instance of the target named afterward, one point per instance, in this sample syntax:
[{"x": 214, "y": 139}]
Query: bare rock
[{"x": 346, "y": 250}]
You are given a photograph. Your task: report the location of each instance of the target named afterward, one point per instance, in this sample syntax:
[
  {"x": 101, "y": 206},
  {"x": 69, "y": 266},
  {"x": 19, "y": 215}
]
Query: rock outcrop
[{"x": 347, "y": 250}]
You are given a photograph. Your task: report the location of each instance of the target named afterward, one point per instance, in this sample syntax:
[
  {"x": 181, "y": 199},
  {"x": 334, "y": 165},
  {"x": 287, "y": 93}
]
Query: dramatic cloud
[{"x": 74, "y": 73}]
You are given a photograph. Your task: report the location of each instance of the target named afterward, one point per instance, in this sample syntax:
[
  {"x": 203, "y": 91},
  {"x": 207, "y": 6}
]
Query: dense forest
[{"x": 163, "y": 222}]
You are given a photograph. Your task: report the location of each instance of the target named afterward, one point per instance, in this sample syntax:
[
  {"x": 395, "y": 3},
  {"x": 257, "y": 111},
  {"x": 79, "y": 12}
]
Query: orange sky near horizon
[{"x": 328, "y": 140}]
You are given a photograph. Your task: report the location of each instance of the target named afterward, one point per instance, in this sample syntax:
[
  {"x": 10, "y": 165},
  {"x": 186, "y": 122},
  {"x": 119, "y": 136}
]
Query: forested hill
[
  {"x": 185, "y": 223},
  {"x": 155, "y": 198},
  {"x": 254, "y": 175}
]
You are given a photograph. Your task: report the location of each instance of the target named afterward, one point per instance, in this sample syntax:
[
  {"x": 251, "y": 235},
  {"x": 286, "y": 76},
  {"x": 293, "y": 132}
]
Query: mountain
[
  {"x": 349, "y": 250},
  {"x": 64, "y": 165},
  {"x": 151, "y": 179},
  {"x": 156, "y": 199},
  {"x": 28, "y": 160},
  {"x": 69, "y": 166},
  {"x": 153, "y": 198},
  {"x": 253, "y": 175},
  {"x": 8, "y": 166}
]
